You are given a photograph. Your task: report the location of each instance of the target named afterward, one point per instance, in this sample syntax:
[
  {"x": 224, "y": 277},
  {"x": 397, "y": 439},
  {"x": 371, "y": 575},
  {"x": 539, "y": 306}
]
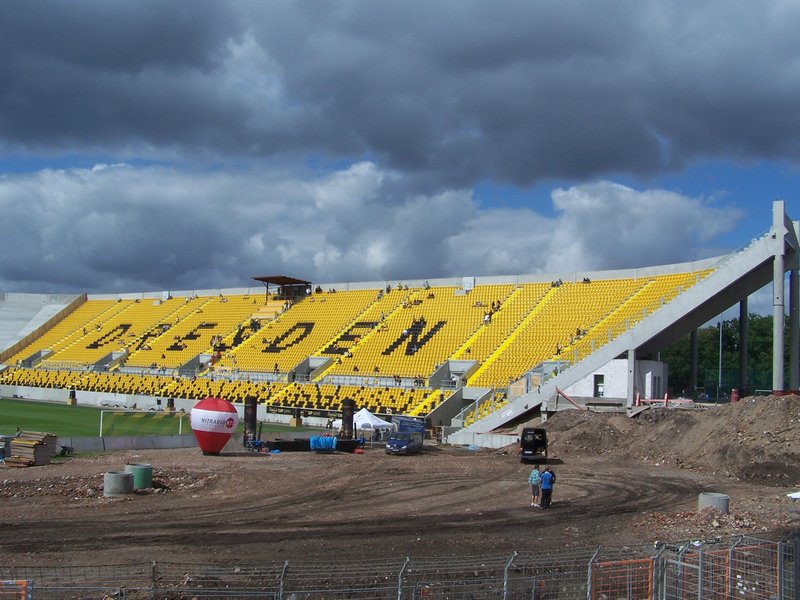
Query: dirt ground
[{"x": 620, "y": 481}]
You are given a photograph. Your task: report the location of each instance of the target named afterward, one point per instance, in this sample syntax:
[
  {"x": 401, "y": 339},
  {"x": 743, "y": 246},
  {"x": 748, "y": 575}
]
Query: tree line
[{"x": 759, "y": 361}]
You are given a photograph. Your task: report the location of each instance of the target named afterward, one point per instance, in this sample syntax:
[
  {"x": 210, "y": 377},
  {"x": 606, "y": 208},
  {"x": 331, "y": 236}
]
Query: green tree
[{"x": 759, "y": 363}]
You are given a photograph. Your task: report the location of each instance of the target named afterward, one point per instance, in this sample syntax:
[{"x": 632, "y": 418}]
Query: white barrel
[
  {"x": 117, "y": 483},
  {"x": 713, "y": 500}
]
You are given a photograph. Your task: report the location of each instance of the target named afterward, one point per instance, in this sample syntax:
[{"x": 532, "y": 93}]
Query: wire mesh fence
[
  {"x": 748, "y": 568},
  {"x": 742, "y": 568}
]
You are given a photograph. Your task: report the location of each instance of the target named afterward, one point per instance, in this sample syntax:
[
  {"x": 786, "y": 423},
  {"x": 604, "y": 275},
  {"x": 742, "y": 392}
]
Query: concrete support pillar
[
  {"x": 744, "y": 383},
  {"x": 794, "y": 330},
  {"x": 778, "y": 271},
  {"x": 631, "y": 377},
  {"x": 694, "y": 358}
]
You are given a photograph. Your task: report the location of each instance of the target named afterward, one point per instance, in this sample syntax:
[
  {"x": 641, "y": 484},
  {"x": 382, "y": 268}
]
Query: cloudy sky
[{"x": 160, "y": 145}]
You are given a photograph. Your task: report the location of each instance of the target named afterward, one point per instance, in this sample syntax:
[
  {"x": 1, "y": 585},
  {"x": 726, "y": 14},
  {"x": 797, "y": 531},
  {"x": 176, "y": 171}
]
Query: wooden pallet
[
  {"x": 31, "y": 448},
  {"x": 18, "y": 461}
]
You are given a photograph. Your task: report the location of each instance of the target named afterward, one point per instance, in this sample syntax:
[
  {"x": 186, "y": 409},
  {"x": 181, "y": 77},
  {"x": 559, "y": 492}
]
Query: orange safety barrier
[{"x": 16, "y": 589}]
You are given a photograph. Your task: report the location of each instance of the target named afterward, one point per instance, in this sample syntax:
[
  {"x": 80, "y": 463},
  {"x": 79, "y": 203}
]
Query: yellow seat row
[{"x": 369, "y": 335}]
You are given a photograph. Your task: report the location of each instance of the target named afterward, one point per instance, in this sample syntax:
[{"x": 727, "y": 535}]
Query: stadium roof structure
[
  {"x": 290, "y": 287},
  {"x": 280, "y": 280}
]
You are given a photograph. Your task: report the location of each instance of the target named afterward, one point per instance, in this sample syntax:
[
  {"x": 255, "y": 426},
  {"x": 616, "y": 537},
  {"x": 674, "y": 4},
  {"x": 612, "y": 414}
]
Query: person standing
[
  {"x": 535, "y": 479},
  {"x": 548, "y": 478}
]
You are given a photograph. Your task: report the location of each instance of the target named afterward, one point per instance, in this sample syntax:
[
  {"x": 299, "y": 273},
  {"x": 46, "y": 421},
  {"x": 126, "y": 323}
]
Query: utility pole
[{"x": 719, "y": 378}]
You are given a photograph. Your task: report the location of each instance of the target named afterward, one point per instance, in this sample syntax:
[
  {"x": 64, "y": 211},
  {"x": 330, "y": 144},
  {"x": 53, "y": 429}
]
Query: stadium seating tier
[{"x": 379, "y": 341}]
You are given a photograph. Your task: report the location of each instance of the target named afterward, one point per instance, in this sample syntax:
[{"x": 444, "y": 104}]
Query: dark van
[
  {"x": 533, "y": 444},
  {"x": 404, "y": 442}
]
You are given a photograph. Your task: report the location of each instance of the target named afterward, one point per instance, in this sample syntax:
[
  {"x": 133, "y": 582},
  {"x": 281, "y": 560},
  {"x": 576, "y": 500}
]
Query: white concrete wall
[
  {"x": 20, "y": 314},
  {"x": 616, "y": 380},
  {"x": 483, "y": 440},
  {"x": 127, "y": 442},
  {"x": 654, "y": 372}
]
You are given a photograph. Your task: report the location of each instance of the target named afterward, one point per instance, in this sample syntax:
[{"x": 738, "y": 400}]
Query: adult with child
[
  {"x": 548, "y": 478},
  {"x": 535, "y": 479}
]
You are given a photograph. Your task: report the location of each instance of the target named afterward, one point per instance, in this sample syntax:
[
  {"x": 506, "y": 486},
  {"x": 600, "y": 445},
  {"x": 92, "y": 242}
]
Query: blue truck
[{"x": 408, "y": 437}]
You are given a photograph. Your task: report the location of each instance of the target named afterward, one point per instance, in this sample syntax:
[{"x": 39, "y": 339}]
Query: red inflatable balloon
[{"x": 213, "y": 422}]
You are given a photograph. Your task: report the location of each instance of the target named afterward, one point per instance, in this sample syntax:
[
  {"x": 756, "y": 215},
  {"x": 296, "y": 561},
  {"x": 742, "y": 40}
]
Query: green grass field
[
  {"x": 81, "y": 421},
  {"x": 68, "y": 421},
  {"x": 84, "y": 421}
]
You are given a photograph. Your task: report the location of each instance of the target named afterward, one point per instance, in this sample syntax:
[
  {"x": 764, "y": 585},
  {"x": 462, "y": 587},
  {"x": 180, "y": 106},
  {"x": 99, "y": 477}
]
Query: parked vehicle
[
  {"x": 404, "y": 442},
  {"x": 533, "y": 444}
]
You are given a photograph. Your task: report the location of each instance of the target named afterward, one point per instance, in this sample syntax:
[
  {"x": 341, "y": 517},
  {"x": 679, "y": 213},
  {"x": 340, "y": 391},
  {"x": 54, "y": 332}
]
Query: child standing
[{"x": 535, "y": 479}]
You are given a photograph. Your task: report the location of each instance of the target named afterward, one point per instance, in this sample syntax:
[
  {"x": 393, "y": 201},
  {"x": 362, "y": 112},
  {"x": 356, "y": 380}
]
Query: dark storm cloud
[
  {"x": 445, "y": 93},
  {"x": 341, "y": 141},
  {"x": 122, "y": 37},
  {"x": 85, "y": 75}
]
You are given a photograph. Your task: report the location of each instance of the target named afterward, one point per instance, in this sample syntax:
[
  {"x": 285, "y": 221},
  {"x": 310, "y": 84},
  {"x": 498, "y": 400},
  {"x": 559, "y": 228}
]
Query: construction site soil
[{"x": 620, "y": 481}]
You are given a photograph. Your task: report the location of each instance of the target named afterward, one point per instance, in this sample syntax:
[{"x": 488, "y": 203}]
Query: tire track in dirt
[{"x": 345, "y": 511}]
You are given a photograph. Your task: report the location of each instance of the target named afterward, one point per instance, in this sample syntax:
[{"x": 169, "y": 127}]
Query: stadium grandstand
[{"x": 472, "y": 355}]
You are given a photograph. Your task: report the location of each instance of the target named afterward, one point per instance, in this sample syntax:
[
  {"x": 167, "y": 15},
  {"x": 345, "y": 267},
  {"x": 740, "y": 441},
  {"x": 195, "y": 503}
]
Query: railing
[
  {"x": 475, "y": 411},
  {"x": 727, "y": 258},
  {"x": 155, "y": 371},
  {"x": 373, "y": 381},
  {"x": 64, "y": 365},
  {"x": 742, "y": 567},
  {"x": 619, "y": 329}
]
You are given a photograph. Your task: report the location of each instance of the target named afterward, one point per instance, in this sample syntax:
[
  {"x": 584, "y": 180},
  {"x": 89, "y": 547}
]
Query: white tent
[{"x": 364, "y": 419}]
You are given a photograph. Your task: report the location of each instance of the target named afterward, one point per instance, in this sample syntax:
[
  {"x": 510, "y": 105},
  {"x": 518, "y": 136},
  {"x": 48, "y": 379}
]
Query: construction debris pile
[
  {"x": 709, "y": 522},
  {"x": 91, "y": 486},
  {"x": 31, "y": 448},
  {"x": 753, "y": 439}
]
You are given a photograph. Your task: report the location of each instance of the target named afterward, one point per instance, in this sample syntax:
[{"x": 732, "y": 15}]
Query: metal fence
[{"x": 742, "y": 568}]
